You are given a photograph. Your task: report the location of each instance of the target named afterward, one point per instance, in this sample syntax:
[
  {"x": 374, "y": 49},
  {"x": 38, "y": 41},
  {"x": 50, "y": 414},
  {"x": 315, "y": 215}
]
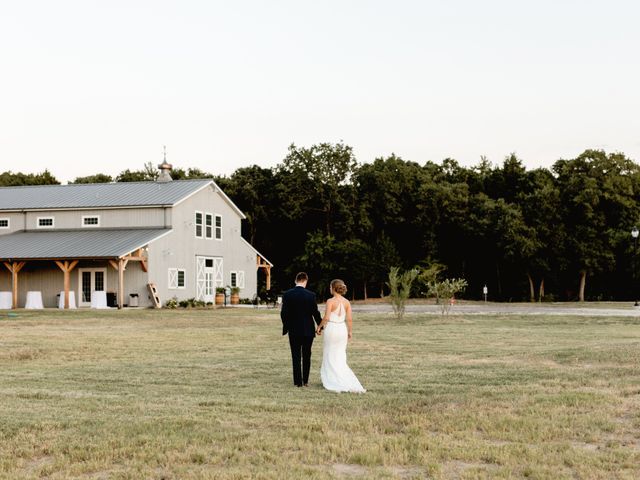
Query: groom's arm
[
  {"x": 284, "y": 311},
  {"x": 316, "y": 313}
]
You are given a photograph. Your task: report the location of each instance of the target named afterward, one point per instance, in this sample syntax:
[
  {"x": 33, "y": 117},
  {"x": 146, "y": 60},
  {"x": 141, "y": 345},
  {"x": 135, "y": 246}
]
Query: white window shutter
[
  {"x": 218, "y": 276},
  {"x": 173, "y": 278},
  {"x": 240, "y": 279},
  {"x": 201, "y": 281}
]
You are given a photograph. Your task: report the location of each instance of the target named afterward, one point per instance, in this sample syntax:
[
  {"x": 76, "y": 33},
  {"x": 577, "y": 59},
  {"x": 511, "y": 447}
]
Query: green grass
[{"x": 209, "y": 394}]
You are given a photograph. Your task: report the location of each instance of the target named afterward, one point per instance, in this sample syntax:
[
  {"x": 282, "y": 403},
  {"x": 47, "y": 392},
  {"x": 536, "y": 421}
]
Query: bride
[{"x": 335, "y": 373}]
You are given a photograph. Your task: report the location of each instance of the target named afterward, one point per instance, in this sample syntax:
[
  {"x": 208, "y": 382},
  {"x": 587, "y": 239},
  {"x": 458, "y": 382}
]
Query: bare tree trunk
[
  {"x": 365, "y": 289},
  {"x": 499, "y": 283},
  {"x": 381, "y": 289},
  {"x": 583, "y": 283},
  {"x": 541, "y": 292},
  {"x": 532, "y": 290}
]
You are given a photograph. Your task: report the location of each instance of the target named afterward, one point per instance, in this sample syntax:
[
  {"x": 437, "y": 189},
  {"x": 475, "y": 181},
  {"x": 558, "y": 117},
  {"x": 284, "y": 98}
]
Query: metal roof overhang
[
  {"x": 257, "y": 252},
  {"x": 99, "y": 243}
]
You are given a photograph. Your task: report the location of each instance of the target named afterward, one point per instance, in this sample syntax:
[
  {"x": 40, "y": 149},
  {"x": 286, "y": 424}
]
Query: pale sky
[{"x": 100, "y": 86}]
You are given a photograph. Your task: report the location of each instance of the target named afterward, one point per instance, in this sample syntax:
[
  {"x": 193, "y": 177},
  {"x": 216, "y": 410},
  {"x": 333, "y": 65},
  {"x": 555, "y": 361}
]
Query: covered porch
[{"x": 79, "y": 261}]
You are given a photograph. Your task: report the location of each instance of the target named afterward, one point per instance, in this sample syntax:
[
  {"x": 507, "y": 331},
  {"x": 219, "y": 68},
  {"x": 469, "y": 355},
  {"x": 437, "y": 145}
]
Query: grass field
[{"x": 208, "y": 394}]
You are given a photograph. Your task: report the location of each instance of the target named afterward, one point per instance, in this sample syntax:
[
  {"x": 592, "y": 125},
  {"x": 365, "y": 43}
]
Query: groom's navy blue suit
[{"x": 299, "y": 310}]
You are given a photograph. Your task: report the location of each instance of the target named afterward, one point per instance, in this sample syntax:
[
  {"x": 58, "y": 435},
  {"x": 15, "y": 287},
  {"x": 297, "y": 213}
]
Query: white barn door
[
  {"x": 218, "y": 277},
  {"x": 208, "y": 277},
  {"x": 90, "y": 280}
]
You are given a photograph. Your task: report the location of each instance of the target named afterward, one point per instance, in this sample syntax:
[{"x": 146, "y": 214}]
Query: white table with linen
[
  {"x": 6, "y": 300},
  {"x": 34, "y": 300},
  {"x": 99, "y": 299},
  {"x": 72, "y": 299}
]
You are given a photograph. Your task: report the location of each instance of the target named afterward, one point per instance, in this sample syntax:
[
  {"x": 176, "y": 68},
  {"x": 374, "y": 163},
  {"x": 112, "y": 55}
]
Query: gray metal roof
[
  {"x": 76, "y": 244},
  {"x": 98, "y": 195}
]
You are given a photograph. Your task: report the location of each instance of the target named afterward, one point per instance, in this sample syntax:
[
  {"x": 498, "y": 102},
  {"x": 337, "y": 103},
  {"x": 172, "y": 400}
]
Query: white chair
[
  {"x": 34, "y": 300},
  {"x": 99, "y": 299},
  {"x": 6, "y": 300},
  {"x": 72, "y": 299}
]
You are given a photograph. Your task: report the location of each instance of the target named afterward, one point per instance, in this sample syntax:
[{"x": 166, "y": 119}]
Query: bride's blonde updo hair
[{"x": 338, "y": 286}]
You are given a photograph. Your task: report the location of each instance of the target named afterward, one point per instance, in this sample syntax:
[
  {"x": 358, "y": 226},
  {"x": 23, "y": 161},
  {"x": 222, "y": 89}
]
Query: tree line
[{"x": 540, "y": 234}]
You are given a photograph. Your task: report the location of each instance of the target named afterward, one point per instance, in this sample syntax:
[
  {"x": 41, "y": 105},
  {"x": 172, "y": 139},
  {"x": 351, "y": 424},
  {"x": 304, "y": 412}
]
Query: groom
[{"x": 299, "y": 310}]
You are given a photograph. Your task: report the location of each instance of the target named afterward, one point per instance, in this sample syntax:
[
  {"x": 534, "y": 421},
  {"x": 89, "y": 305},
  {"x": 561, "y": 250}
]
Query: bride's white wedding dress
[{"x": 335, "y": 373}]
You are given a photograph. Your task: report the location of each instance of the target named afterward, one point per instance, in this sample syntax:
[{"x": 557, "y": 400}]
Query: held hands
[{"x": 321, "y": 327}]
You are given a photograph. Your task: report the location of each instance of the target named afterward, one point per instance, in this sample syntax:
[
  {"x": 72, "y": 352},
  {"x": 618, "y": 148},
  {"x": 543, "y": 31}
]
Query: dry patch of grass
[
  {"x": 19, "y": 354},
  {"x": 208, "y": 394}
]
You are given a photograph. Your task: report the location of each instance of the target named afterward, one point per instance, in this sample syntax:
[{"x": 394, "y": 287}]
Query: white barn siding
[
  {"x": 16, "y": 222},
  {"x": 42, "y": 276},
  {"x": 109, "y": 218},
  {"x": 180, "y": 248}
]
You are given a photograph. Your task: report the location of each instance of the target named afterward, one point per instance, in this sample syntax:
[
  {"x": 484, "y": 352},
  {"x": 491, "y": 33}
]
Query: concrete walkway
[{"x": 609, "y": 309}]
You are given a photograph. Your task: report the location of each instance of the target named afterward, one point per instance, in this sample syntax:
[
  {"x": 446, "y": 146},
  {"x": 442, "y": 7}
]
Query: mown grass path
[{"x": 208, "y": 394}]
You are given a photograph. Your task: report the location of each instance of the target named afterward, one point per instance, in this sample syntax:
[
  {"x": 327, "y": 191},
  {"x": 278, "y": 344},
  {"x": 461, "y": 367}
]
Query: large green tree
[
  {"x": 542, "y": 212},
  {"x": 599, "y": 194},
  {"x": 148, "y": 173},
  {"x": 314, "y": 178},
  {"x": 527, "y": 234},
  {"x": 97, "y": 178},
  {"x": 10, "y": 179}
]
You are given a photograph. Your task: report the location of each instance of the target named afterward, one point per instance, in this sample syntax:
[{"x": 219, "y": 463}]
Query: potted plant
[
  {"x": 220, "y": 296},
  {"x": 235, "y": 295}
]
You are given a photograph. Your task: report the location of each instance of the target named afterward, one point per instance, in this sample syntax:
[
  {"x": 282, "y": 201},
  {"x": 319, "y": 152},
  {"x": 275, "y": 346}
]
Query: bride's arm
[
  {"x": 349, "y": 321},
  {"x": 327, "y": 312}
]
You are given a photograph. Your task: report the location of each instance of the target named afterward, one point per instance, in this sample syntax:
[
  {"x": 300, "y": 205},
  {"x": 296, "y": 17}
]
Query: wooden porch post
[
  {"x": 14, "y": 268},
  {"x": 267, "y": 269},
  {"x": 66, "y": 268},
  {"x": 120, "y": 267},
  {"x": 120, "y": 282},
  {"x": 268, "y": 277}
]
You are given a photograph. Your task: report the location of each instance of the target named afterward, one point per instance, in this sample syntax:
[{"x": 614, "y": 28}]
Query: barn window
[
  {"x": 208, "y": 230},
  {"x": 218, "y": 227},
  {"x": 176, "y": 278},
  {"x": 198, "y": 224},
  {"x": 45, "y": 222},
  {"x": 91, "y": 221}
]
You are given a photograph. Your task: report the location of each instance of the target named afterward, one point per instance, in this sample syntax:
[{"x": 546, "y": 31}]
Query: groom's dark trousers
[{"x": 299, "y": 311}]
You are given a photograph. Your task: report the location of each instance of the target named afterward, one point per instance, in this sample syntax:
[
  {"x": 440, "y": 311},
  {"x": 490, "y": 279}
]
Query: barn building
[{"x": 148, "y": 241}]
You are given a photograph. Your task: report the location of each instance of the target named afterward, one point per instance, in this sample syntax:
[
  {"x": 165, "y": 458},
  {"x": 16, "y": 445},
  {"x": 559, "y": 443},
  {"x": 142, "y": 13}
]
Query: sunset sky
[{"x": 88, "y": 86}]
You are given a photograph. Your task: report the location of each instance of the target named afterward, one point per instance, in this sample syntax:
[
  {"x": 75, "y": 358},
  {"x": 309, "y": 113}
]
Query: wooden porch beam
[
  {"x": 262, "y": 263},
  {"x": 66, "y": 268},
  {"x": 14, "y": 268},
  {"x": 121, "y": 266},
  {"x": 135, "y": 259},
  {"x": 268, "y": 268},
  {"x": 116, "y": 265}
]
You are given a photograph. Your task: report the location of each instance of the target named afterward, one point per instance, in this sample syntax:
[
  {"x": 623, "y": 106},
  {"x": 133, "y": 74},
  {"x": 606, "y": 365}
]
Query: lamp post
[{"x": 634, "y": 234}]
